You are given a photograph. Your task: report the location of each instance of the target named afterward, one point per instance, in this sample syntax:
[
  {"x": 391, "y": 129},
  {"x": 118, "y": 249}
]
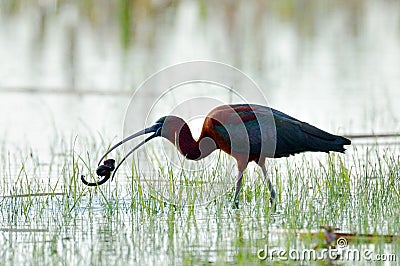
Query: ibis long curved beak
[{"x": 155, "y": 129}]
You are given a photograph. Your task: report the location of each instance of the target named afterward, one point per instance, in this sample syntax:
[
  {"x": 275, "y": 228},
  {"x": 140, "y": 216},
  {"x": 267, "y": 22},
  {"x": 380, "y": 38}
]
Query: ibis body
[{"x": 248, "y": 132}]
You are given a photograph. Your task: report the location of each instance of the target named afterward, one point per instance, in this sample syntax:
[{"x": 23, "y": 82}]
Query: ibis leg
[
  {"x": 270, "y": 186},
  {"x": 238, "y": 188}
]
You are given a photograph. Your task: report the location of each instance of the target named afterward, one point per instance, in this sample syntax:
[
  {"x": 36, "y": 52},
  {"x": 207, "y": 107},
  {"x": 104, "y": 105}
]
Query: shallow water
[{"x": 67, "y": 75}]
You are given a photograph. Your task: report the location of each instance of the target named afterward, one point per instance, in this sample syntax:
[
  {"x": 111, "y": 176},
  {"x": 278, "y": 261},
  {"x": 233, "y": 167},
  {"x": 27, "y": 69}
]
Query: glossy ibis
[{"x": 248, "y": 132}]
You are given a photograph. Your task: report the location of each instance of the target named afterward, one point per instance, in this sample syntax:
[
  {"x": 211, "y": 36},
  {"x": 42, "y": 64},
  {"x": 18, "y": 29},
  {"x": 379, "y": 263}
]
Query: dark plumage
[
  {"x": 294, "y": 136},
  {"x": 248, "y": 132}
]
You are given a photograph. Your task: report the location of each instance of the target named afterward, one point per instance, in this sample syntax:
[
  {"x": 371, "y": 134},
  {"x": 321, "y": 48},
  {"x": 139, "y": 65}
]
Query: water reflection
[{"x": 331, "y": 63}]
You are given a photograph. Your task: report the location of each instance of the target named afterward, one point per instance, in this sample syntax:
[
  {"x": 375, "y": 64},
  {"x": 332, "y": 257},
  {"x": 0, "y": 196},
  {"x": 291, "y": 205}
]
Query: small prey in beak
[
  {"x": 108, "y": 165},
  {"x": 103, "y": 170}
]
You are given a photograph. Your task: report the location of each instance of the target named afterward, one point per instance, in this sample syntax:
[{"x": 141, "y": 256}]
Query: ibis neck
[{"x": 189, "y": 147}]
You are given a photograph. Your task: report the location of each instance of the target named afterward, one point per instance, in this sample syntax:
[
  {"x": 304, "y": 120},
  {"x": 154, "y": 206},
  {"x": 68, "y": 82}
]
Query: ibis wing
[
  {"x": 255, "y": 129},
  {"x": 248, "y": 131},
  {"x": 294, "y": 136}
]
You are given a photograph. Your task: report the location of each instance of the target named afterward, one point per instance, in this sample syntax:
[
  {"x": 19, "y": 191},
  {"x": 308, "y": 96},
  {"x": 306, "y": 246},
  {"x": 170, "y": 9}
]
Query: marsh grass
[{"x": 50, "y": 217}]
